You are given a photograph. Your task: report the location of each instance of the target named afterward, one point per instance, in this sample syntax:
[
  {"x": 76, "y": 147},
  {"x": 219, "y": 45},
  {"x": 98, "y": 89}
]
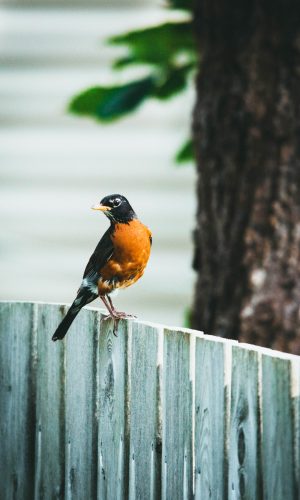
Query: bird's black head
[{"x": 117, "y": 208}]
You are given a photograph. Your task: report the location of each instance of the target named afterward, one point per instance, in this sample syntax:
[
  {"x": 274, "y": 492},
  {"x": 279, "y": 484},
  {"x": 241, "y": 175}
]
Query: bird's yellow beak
[{"x": 103, "y": 208}]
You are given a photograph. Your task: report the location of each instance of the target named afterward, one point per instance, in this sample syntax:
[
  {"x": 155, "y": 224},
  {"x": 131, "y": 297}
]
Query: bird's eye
[{"x": 116, "y": 202}]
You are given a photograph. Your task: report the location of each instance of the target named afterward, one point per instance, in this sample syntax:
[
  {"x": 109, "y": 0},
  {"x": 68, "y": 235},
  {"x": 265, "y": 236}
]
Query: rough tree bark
[{"x": 247, "y": 141}]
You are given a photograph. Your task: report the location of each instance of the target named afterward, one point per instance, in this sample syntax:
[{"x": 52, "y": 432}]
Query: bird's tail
[
  {"x": 81, "y": 300},
  {"x": 64, "y": 326}
]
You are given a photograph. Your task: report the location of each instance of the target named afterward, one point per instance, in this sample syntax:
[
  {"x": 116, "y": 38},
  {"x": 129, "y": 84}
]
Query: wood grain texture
[
  {"x": 99, "y": 416},
  {"x": 80, "y": 407},
  {"x": 209, "y": 419},
  {"x": 277, "y": 425},
  {"x": 17, "y": 400},
  {"x": 50, "y": 407},
  {"x": 244, "y": 455},
  {"x": 113, "y": 404},
  {"x": 177, "y": 417},
  {"x": 296, "y": 418},
  {"x": 145, "y": 447}
]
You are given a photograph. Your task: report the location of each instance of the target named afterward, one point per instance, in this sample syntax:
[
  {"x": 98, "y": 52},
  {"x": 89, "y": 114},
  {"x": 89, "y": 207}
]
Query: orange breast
[{"x": 131, "y": 253}]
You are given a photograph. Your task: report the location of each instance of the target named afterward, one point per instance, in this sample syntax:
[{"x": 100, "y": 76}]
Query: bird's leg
[
  {"x": 108, "y": 307},
  {"x": 111, "y": 314},
  {"x": 119, "y": 314}
]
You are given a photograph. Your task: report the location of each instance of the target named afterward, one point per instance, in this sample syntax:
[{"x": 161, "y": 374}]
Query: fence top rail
[{"x": 170, "y": 328}]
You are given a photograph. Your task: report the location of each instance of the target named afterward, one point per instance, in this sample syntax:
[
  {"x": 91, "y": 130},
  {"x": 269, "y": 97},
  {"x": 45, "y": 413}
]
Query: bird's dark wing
[
  {"x": 88, "y": 289},
  {"x": 101, "y": 255}
]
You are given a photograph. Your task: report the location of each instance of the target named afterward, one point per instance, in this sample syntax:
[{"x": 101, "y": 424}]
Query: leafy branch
[{"x": 168, "y": 53}]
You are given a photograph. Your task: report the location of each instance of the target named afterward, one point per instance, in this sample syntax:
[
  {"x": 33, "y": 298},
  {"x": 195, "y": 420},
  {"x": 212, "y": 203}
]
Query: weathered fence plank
[
  {"x": 96, "y": 416},
  {"x": 113, "y": 405},
  {"x": 244, "y": 455},
  {"x": 277, "y": 426},
  {"x": 17, "y": 400},
  {"x": 209, "y": 419},
  {"x": 177, "y": 417},
  {"x": 50, "y": 407},
  {"x": 80, "y": 407},
  {"x": 145, "y": 448},
  {"x": 296, "y": 417}
]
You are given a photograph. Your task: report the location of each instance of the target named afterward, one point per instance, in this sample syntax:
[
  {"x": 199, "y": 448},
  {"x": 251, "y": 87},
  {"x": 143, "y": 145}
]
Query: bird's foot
[
  {"x": 124, "y": 315},
  {"x": 108, "y": 316},
  {"x": 116, "y": 317}
]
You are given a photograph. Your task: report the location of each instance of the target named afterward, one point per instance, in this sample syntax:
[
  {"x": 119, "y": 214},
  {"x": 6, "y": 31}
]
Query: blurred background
[{"x": 54, "y": 166}]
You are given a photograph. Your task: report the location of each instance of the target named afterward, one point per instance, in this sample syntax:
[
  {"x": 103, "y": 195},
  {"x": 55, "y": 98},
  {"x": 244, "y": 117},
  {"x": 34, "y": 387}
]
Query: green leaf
[
  {"x": 109, "y": 103},
  {"x": 174, "y": 80},
  {"x": 123, "y": 62},
  {"x": 185, "y": 153},
  {"x": 158, "y": 45}
]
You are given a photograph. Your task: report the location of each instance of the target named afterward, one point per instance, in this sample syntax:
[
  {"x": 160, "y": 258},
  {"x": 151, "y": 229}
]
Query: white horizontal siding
[{"x": 54, "y": 166}]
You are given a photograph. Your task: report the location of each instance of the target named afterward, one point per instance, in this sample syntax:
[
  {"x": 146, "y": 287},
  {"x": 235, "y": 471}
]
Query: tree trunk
[{"x": 247, "y": 141}]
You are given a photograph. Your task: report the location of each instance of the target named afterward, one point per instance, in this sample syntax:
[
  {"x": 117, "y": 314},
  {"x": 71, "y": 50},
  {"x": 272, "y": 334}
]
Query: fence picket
[
  {"x": 296, "y": 417},
  {"x": 145, "y": 449},
  {"x": 50, "y": 418},
  {"x": 209, "y": 419},
  {"x": 177, "y": 417},
  {"x": 80, "y": 407},
  {"x": 17, "y": 400},
  {"x": 114, "y": 364},
  {"x": 244, "y": 456},
  {"x": 277, "y": 425}
]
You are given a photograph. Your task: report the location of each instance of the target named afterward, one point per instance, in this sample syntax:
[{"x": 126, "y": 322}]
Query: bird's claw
[
  {"x": 108, "y": 316},
  {"x": 123, "y": 315},
  {"x": 115, "y": 327},
  {"x": 116, "y": 317},
  {"x": 115, "y": 322}
]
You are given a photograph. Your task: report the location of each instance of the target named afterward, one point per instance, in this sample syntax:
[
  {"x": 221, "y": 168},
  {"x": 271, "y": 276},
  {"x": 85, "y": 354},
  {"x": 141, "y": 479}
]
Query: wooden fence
[{"x": 155, "y": 413}]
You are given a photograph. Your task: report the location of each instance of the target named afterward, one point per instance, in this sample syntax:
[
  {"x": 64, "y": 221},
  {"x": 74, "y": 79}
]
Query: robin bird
[{"x": 118, "y": 261}]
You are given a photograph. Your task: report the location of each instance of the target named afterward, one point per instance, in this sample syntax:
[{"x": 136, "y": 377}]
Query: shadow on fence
[{"x": 155, "y": 413}]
